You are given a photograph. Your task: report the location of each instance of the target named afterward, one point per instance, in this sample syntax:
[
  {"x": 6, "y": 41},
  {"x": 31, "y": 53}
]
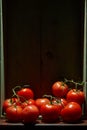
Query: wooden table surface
[{"x": 4, "y": 124}]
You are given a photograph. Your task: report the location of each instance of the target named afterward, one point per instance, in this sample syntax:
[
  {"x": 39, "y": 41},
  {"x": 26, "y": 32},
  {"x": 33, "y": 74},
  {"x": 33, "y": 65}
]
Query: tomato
[
  {"x": 30, "y": 114},
  {"x": 72, "y": 112},
  {"x": 49, "y": 113},
  {"x": 14, "y": 113},
  {"x": 40, "y": 101},
  {"x": 75, "y": 95},
  {"x": 59, "y": 89},
  {"x": 8, "y": 102},
  {"x": 27, "y": 102},
  {"x": 61, "y": 103},
  {"x": 25, "y": 94}
]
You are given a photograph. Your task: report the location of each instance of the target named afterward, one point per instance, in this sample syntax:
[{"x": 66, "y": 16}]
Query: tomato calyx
[
  {"x": 76, "y": 90},
  {"x": 62, "y": 83},
  {"x": 57, "y": 101}
]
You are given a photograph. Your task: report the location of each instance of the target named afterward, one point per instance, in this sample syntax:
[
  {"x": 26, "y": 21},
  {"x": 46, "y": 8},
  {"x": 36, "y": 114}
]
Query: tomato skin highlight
[
  {"x": 72, "y": 112},
  {"x": 59, "y": 89},
  {"x": 75, "y": 95}
]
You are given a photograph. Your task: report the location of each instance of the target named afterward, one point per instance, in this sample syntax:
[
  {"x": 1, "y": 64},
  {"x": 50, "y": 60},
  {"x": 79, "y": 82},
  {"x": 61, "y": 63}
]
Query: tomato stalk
[
  {"x": 50, "y": 98},
  {"x": 14, "y": 92},
  {"x": 16, "y": 95},
  {"x": 26, "y": 86},
  {"x": 76, "y": 84}
]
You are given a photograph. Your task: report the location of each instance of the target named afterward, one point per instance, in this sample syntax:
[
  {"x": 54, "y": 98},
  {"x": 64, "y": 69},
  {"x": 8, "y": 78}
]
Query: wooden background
[{"x": 43, "y": 43}]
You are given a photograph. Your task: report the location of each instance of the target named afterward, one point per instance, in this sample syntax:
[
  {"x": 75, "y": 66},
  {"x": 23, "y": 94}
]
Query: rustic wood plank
[
  {"x": 22, "y": 45},
  {"x": 62, "y": 47},
  {"x": 43, "y": 43}
]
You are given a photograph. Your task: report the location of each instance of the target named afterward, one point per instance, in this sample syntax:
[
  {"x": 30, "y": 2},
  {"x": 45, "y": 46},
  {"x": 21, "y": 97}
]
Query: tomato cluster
[{"x": 63, "y": 104}]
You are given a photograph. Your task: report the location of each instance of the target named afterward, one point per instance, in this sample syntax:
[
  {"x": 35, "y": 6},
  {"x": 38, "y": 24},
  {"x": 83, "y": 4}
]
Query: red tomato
[
  {"x": 64, "y": 101},
  {"x": 27, "y": 102},
  {"x": 61, "y": 103},
  {"x": 30, "y": 114},
  {"x": 14, "y": 113},
  {"x": 40, "y": 101},
  {"x": 49, "y": 113},
  {"x": 72, "y": 112},
  {"x": 76, "y": 95},
  {"x": 8, "y": 102},
  {"x": 25, "y": 94},
  {"x": 59, "y": 89}
]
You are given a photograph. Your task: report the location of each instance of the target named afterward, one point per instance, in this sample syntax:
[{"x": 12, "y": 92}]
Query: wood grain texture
[{"x": 43, "y": 43}]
